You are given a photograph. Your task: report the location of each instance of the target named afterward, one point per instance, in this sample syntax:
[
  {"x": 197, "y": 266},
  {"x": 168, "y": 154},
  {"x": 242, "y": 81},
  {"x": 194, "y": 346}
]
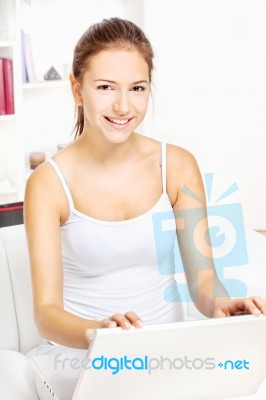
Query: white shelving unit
[
  {"x": 8, "y": 117},
  {"x": 7, "y": 43},
  {"x": 10, "y": 173},
  {"x": 45, "y": 85},
  {"x": 36, "y": 105}
]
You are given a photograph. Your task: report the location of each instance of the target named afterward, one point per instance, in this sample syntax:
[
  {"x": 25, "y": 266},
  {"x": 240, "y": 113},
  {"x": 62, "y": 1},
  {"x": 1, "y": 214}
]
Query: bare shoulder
[
  {"x": 177, "y": 157},
  {"x": 42, "y": 178},
  {"x": 182, "y": 167},
  {"x": 180, "y": 157},
  {"x": 180, "y": 161},
  {"x": 45, "y": 178},
  {"x": 181, "y": 164},
  {"x": 182, "y": 170},
  {"x": 44, "y": 192}
]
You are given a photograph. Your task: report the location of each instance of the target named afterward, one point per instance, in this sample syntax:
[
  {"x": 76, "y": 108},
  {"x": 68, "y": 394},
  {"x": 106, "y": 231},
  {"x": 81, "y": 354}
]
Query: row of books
[
  {"x": 6, "y": 75},
  {"x": 6, "y": 87}
]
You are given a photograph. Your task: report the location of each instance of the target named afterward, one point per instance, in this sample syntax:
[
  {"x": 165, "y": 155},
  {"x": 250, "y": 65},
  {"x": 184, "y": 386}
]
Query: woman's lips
[{"x": 119, "y": 123}]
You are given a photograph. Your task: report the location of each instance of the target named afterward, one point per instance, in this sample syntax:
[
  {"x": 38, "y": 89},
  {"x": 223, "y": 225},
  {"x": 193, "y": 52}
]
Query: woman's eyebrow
[
  {"x": 104, "y": 80},
  {"x": 142, "y": 81},
  {"x": 114, "y": 82}
]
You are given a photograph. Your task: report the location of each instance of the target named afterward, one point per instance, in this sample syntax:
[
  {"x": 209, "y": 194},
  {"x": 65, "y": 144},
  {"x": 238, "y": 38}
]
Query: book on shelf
[
  {"x": 25, "y": 77},
  {"x": 9, "y": 85},
  {"x": 2, "y": 90},
  {"x": 6, "y": 87},
  {"x": 28, "y": 68}
]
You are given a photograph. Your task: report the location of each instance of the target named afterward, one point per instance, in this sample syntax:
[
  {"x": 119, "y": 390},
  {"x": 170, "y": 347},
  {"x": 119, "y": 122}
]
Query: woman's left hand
[{"x": 226, "y": 307}]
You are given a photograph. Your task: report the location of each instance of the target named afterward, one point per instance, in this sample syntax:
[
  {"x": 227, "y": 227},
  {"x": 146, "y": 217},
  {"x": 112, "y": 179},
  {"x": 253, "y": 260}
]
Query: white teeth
[{"x": 119, "y": 121}]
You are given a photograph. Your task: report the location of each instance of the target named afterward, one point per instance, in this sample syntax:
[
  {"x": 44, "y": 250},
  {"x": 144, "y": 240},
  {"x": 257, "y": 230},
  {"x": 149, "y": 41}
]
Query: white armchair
[{"x": 18, "y": 334}]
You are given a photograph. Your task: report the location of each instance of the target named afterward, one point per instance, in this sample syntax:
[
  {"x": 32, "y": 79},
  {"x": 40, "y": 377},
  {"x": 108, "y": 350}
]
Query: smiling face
[{"x": 114, "y": 93}]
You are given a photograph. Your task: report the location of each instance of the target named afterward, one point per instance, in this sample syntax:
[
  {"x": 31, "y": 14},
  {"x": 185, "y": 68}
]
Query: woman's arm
[
  {"x": 206, "y": 290},
  {"x": 45, "y": 208}
]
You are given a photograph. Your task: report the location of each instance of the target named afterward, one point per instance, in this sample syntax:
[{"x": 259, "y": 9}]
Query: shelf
[
  {"x": 45, "y": 85},
  {"x": 7, "y": 187},
  {"x": 7, "y": 117},
  {"x": 10, "y": 197},
  {"x": 7, "y": 43}
]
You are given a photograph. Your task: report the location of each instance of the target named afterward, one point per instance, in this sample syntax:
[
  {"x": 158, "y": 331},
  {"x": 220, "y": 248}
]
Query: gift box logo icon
[{"x": 225, "y": 236}]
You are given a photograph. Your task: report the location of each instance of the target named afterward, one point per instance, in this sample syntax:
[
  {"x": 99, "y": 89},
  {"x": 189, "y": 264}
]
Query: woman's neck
[{"x": 106, "y": 153}]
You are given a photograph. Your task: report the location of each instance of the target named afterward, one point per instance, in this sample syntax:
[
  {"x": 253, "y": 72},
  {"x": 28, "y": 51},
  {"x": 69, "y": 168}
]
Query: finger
[
  {"x": 121, "y": 321},
  {"x": 88, "y": 334},
  {"x": 260, "y": 303},
  {"x": 134, "y": 319},
  {"x": 108, "y": 323},
  {"x": 219, "y": 313},
  {"x": 248, "y": 305}
]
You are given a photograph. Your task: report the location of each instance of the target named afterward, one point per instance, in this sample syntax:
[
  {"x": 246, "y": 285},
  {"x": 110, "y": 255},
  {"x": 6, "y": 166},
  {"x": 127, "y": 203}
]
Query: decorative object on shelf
[
  {"x": 2, "y": 90},
  {"x": 36, "y": 158},
  {"x": 52, "y": 75}
]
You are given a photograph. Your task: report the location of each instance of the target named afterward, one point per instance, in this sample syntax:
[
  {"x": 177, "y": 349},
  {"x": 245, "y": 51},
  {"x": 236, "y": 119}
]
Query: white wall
[{"x": 210, "y": 93}]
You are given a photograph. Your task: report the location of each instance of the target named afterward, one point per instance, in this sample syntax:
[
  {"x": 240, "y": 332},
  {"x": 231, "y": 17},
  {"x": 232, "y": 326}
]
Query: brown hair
[{"x": 110, "y": 33}]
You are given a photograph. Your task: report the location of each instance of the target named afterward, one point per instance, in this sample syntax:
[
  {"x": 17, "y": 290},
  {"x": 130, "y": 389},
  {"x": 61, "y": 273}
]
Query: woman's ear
[{"x": 76, "y": 90}]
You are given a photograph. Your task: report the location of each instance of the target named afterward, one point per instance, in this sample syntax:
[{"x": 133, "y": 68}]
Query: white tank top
[{"x": 111, "y": 267}]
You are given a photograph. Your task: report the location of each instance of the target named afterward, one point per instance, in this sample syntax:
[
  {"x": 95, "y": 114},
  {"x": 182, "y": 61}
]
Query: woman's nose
[{"x": 121, "y": 104}]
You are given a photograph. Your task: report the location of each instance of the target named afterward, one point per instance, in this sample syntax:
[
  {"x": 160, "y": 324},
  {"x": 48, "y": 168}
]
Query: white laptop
[{"x": 211, "y": 359}]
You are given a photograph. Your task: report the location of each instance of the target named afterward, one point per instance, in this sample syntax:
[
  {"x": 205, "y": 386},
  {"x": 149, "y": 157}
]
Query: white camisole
[{"x": 111, "y": 267}]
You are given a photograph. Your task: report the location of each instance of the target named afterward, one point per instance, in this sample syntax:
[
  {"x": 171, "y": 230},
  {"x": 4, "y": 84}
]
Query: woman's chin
[{"x": 117, "y": 137}]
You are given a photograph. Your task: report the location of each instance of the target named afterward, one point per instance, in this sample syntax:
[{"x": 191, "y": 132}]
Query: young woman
[{"x": 89, "y": 210}]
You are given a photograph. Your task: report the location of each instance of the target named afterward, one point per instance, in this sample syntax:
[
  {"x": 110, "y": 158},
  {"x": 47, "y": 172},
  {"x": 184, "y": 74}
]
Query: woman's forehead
[{"x": 118, "y": 62}]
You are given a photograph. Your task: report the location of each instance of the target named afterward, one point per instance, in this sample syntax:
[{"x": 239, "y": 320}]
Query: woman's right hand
[{"x": 125, "y": 321}]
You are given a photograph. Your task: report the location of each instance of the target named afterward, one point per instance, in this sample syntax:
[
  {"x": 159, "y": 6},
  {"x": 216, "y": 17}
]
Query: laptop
[{"x": 210, "y": 359}]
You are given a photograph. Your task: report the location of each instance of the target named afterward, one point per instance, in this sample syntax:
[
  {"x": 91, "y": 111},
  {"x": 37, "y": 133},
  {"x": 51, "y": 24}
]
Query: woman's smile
[{"x": 118, "y": 123}]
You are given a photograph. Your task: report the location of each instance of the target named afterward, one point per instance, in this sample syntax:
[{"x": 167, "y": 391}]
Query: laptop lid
[{"x": 199, "y": 360}]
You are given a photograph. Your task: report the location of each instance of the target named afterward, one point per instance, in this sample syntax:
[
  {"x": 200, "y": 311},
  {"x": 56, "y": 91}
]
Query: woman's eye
[
  {"x": 138, "y": 88},
  {"x": 104, "y": 87}
]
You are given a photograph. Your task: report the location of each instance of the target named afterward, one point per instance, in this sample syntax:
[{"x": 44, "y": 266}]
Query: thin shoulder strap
[
  {"x": 163, "y": 165},
  {"x": 63, "y": 181}
]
